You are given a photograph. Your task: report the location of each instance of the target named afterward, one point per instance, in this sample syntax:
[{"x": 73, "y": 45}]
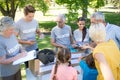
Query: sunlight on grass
[{"x": 23, "y": 72}]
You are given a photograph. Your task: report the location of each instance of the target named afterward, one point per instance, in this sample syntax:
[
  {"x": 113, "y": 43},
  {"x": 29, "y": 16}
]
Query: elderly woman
[
  {"x": 106, "y": 54},
  {"x": 9, "y": 51}
]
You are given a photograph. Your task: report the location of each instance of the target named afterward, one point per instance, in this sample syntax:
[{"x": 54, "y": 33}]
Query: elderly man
[
  {"x": 111, "y": 30},
  {"x": 61, "y": 35}
]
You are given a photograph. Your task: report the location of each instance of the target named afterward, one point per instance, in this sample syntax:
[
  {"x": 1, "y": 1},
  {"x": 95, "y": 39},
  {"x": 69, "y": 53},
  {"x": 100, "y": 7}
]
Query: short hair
[
  {"x": 29, "y": 9},
  {"x": 62, "y": 16},
  {"x": 97, "y": 32},
  {"x": 6, "y": 22},
  {"x": 98, "y": 16}
]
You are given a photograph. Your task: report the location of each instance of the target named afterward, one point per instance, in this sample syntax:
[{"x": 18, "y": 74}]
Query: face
[
  {"x": 60, "y": 22},
  {"x": 29, "y": 16},
  {"x": 93, "y": 20},
  {"x": 81, "y": 24},
  {"x": 9, "y": 31}
]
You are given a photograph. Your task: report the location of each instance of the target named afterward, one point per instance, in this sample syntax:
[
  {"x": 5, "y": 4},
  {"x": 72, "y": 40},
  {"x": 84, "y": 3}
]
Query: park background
[{"x": 47, "y": 10}]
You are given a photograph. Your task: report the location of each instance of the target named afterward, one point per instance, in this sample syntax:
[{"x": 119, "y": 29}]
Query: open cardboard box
[{"x": 34, "y": 66}]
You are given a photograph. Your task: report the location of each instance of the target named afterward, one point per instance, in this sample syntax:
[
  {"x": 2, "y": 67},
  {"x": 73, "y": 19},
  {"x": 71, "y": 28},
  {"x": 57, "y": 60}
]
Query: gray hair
[
  {"x": 97, "y": 32},
  {"x": 6, "y": 22},
  {"x": 98, "y": 16},
  {"x": 62, "y": 16}
]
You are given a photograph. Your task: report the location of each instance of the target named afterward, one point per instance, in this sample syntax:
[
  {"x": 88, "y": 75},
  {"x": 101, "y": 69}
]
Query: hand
[
  {"x": 30, "y": 42},
  {"x": 23, "y": 54},
  {"x": 85, "y": 46},
  {"x": 79, "y": 59},
  {"x": 63, "y": 46},
  {"x": 41, "y": 36}
]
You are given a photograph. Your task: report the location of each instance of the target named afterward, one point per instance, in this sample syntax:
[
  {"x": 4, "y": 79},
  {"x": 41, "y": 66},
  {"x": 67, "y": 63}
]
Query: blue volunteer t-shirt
[
  {"x": 9, "y": 47},
  {"x": 27, "y": 31},
  {"x": 61, "y": 35}
]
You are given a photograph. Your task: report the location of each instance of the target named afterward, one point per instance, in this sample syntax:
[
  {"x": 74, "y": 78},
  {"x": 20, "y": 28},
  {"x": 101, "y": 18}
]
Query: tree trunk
[{"x": 10, "y": 10}]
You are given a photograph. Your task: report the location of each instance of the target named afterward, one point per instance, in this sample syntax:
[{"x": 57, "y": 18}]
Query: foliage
[
  {"x": 9, "y": 7},
  {"x": 116, "y": 3},
  {"x": 96, "y": 4},
  {"x": 74, "y": 5},
  {"x": 113, "y": 18}
]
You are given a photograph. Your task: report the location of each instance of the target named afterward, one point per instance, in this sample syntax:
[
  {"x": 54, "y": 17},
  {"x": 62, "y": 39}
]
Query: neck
[{"x": 26, "y": 20}]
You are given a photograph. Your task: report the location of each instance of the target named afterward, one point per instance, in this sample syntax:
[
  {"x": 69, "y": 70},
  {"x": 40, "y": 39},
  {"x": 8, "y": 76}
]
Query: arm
[
  {"x": 24, "y": 42},
  {"x": 38, "y": 32},
  {"x": 3, "y": 59},
  {"x": 75, "y": 76},
  {"x": 104, "y": 67},
  {"x": 57, "y": 45}
]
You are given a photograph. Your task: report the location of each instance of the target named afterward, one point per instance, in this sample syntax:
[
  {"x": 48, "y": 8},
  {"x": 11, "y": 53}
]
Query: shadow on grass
[{"x": 45, "y": 43}]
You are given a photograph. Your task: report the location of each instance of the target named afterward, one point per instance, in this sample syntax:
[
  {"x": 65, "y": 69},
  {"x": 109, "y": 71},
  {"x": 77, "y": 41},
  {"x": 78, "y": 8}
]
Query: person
[
  {"x": 106, "y": 53},
  {"x": 111, "y": 29},
  {"x": 61, "y": 35},
  {"x": 88, "y": 67},
  {"x": 63, "y": 69},
  {"x": 81, "y": 34},
  {"x": 9, "y": 51},
  {"x": 26, "y": 29}
]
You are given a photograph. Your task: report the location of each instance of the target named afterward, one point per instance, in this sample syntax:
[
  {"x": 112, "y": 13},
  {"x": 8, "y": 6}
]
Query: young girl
[{"x": 63, "y": 69}]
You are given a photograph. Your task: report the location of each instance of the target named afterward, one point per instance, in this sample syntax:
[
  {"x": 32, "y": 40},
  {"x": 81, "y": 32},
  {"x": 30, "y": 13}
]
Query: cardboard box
[{"x": 34, "y": 66}]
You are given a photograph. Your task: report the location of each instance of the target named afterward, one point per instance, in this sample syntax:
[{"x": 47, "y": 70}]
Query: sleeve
[
  {"x": 97, "y": 49},
  {"x": 53, "y": 34},
  {"x": 2, "y": 50},
  {"x": 117, "y": 35},
  {"x": 74, "y": 35},
  {"x": 17, "y": 27},
  {"x": 37, "y": 25},
  {"x": 83, "y": 65}
]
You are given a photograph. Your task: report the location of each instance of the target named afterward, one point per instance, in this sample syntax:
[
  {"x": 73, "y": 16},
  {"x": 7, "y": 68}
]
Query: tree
[
  {"x": 74, "y": 5},
  {"x": 9, "y": 7},
  {"x": 116, "y": 3},
  {"x": 96, "y": 4}
]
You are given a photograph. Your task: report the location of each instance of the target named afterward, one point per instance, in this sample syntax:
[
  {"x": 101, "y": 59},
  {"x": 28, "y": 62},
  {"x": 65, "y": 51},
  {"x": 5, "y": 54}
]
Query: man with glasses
[{"x": 113, "y": 31}]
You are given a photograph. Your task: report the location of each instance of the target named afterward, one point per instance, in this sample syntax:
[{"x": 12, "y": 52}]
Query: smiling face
[
  {"x": 60, "y": 22},
  {"x": 81, "y": 25},
  {"x": 29, "y": 16}
]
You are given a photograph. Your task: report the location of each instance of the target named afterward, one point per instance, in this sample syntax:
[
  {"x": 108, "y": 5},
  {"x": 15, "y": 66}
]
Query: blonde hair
[{"x": 97, "y": 32}]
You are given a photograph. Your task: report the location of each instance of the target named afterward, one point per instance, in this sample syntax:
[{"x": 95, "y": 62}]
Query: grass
[{"x": 111, "y": 17}]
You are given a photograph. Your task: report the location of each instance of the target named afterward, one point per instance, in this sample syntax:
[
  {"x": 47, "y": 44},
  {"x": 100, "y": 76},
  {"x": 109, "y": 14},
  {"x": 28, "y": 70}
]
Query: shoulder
[
  {"x": 54, "y": 28},
  {"x": 72, "y": 69},
  {"x": 77, "y": 30},
  {"x": 20, "y": 21},
  {"x": 67, "y": 26},
  {"x": 35, "y": 21},
  {"x": 112, "y": 26}
]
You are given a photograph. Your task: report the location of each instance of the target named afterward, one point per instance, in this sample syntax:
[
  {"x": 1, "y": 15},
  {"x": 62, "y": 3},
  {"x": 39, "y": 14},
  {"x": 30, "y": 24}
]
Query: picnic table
[{"x": 44, "y": 71}]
